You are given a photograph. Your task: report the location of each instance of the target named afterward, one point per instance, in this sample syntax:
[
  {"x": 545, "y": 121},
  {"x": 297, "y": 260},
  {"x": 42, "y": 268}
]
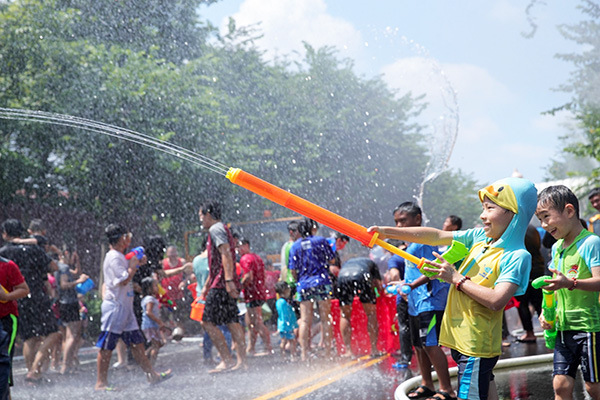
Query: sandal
[
  {"x": 163, "y": 376},
  {"x": 441, "y": 395},
  {"x": 420, "y": 392}
]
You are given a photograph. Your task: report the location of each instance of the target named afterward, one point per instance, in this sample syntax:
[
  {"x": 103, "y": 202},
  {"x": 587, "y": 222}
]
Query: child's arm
[
  {"x": 29, "y": 240},
  {"x": 19, "y": 291},
  {"x": 495, "y": 298},
  {"x": 560, "y": 281},
  {"x": 417, "y": 234},
  {"x": 65, "y": 284},
  {"x": 152, "y": 316}
]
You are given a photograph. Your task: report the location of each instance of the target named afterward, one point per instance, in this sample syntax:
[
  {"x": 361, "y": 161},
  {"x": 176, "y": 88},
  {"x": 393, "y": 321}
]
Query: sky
[{"x": 470, "y": 58}]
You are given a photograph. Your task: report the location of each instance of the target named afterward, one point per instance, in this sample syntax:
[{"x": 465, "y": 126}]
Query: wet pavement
[{"x": 267, "y": 377}]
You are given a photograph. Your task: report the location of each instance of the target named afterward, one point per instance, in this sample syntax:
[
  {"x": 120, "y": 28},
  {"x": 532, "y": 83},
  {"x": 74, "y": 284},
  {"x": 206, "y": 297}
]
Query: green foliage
[
  {"x": 452, "y": 193},
  {"x": 314, "y": 127},
  {"x": 584, "y": 84}
]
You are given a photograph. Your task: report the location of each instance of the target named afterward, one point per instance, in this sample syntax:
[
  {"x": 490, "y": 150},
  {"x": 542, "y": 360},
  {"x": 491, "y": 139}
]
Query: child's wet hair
[
  {"x": 147, "y": 285},
  {"x": 557, "y": 197},
  {"x": 281, "y": 287}
]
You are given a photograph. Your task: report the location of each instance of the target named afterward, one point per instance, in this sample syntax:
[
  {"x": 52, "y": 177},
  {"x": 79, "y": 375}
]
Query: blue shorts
[
  {"x": 425, "y": 328},
  {"x": 108, "y": 340},
  {"x": 287, "y": 335},
  {"x": 574, "y": 348},
  {"x": 474, "y": 375},
  {"x": 317, "y": 293}
]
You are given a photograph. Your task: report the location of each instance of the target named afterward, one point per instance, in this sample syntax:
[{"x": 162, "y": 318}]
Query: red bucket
[
  {"x": 197, "y": 310},
  {"x": 192, "y": 288}
]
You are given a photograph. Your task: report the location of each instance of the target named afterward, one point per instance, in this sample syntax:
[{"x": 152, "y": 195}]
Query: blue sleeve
[
  {"x": 515, "y": 267},
  {"x": 470, "y": 236},
  {"x": 590, "y": 251},
  {"x": 424, "y": 251},
  {"x": 397, "y": 262}
]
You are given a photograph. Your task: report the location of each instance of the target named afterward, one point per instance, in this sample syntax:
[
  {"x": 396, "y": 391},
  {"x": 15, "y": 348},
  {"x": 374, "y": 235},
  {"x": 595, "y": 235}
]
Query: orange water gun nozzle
[{"x": 313, "y": 211}]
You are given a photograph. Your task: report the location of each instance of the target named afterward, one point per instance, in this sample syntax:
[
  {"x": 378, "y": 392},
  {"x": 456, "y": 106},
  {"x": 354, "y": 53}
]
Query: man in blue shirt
[{"x": 426, "y": 304}]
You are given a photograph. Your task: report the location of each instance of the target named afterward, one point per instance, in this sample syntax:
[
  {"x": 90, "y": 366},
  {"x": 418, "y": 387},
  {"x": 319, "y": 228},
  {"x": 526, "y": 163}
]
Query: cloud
[
  {"x": 505, "y": 11},
  {"x": 287, "y": 23}
]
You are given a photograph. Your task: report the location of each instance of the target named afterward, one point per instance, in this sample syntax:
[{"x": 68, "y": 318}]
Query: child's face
[
  {"x": 556, "y": 223},
  {"x": 286, "y": 293},
  {"x": 495, "y": 219},
  {"x": 155, "y": 288}
]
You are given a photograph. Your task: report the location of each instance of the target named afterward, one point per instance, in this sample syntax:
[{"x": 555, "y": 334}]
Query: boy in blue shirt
[
  {"x": 575, "y": 265},
  {"x": 426, "y": 304}
]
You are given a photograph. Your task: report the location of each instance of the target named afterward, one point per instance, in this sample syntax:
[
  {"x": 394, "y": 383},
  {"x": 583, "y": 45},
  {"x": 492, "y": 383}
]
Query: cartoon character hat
[{"x": 519, "y": 196}]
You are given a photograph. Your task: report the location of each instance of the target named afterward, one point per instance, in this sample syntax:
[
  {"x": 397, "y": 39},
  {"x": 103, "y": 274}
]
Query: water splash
[
  {"x": 444, "y": 120},
  {"x": 116, "y": 132}
]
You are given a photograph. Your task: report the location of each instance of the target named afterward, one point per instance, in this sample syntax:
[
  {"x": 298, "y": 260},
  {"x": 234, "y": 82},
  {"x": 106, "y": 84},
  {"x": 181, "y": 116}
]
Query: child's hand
[
  {"x": 558, "y": 281},
  {"x": 445, "y": 271},
  {"x": 82, "y": 278},
  {"x": 376, "y": 229},
  {"x": 543, "y": 323}
]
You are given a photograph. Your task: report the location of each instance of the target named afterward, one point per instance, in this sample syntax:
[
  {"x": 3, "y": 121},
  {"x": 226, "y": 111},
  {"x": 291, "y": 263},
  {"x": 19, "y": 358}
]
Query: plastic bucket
[
  {"x": 197, "y": 310},
  {"x": 84, "y": 287},
  {"x": 192, "y": 288}
]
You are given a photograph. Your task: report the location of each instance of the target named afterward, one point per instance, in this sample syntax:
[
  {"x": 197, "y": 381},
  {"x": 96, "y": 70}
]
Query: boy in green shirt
[{"x": 576, "y": 282}]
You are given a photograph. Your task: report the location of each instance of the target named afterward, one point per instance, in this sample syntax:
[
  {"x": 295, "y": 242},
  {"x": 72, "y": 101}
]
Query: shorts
[
  {"x": 287, "y": 335},
  {"x": 316, "y": 293},
  {"x": 108, "y": 340},
  {"x": 474, "y": 375},
  {"x": 8, "y": 326},
  {"x": 574, "y": 348},
  {"x": 425, "y": 328},
  {"x": 355, "y": 286},
  {"x": 220, "y": 308},
  {"x": 255, "y": 303},
  {"x": 36, "y": 318},
  {"x": 69, "y": 312}
]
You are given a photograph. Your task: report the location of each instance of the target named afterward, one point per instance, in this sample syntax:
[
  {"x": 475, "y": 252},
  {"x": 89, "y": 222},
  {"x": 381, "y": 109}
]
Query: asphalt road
[{"x": 267, "y": 377}]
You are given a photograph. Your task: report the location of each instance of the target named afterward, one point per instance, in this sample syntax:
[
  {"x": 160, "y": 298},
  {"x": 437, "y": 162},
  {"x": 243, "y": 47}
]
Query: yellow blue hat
[{"x": 502, "y": 194}]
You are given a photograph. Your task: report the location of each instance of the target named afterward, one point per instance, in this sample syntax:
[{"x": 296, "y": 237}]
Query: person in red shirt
[
  {"x": 173, "y": 281},
  {"x": 13, "y": 287},
  {"x": 253, "y": 285}
]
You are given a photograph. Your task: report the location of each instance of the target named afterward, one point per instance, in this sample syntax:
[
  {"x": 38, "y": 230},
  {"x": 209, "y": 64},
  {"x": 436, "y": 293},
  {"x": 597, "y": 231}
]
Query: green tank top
[{"x": 577, "y": 310}]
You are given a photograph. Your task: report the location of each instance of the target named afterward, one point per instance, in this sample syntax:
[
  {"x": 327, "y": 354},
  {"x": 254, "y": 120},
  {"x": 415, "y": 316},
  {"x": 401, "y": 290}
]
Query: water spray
[
  {"x": 235, "y": 175},
  {"x": 330, "y": 219}
]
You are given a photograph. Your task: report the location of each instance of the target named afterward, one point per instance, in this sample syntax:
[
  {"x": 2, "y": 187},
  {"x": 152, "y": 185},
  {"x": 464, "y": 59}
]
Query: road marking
[
  {"x": 332, "y": 379},
  {"x": 324, "y": 382},
  {"x": 303, "y": 382}
]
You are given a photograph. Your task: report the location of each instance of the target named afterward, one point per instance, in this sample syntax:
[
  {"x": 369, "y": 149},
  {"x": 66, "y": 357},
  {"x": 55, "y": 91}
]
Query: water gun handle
[
  {"x": 548, "y": 310},
  {"x": 137, "y": 252}
]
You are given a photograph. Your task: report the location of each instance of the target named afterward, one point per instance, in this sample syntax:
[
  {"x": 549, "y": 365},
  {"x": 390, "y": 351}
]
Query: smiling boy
[
  {"x": 496, "y": 268},
  {"x": 576, "y": 282}
]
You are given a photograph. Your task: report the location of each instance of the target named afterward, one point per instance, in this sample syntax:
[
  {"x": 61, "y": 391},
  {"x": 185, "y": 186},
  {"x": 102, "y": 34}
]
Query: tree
[{"x": 584, "y": 84}]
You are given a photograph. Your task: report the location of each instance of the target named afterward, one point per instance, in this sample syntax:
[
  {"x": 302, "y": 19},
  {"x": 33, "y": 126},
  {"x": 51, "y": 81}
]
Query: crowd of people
[{"x": 146, "y": 300}]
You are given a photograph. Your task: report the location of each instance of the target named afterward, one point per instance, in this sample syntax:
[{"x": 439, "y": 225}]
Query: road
[{"x": 268, "y": 377}]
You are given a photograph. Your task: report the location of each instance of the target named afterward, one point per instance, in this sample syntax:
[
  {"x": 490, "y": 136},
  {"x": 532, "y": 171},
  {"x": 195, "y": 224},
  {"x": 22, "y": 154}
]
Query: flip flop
[
  {"x": 420, "y": 392},
  {"x": 526, "y": 340},
  {"x": 109, "y": 388},
  {"x": 444, "y": 396},
  {"x": 163, "y": 377}
]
